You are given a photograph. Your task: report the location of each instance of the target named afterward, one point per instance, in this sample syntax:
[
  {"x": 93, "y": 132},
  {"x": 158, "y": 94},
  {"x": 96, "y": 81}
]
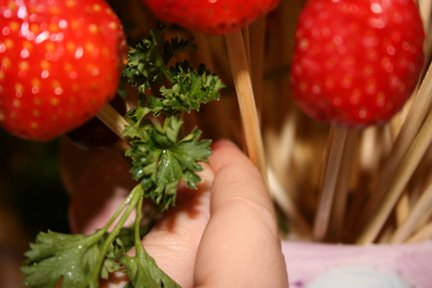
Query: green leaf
[
  {"x": 189, "y": 89},
  {"x": 56, "y": 256},
  {"x": 122, "y": 243},
  {"x": 160, "y": 159},
  {"x": 189, "y": 152},
  {"x": 164, "y": 89},
  {"x": 144, "y": 272},
  {"x": 145, "y": 64},
  {"x": 135, "y": 118},
  {"x": 147, "y": 61}
]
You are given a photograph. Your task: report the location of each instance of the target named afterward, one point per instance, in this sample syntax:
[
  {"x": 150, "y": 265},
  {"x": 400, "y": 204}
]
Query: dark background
[{"x": 32, "y": 199}]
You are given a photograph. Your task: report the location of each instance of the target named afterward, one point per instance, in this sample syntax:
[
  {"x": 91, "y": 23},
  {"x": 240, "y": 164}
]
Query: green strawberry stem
[
  {"x": 335, "y": 149},
  {"x": 245, "y": 96},
  {"x": 131, "y": 203}
]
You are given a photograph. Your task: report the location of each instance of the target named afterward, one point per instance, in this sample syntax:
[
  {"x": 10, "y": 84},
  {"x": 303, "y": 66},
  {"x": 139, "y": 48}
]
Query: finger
[
  {"x": 240, "y": 246},
  {"x": 235, "y": 170},
  {"x": 174, "y": 242}
]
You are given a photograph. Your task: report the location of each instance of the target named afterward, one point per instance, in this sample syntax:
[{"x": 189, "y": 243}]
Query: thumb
[{"x": 240, "y": 246}]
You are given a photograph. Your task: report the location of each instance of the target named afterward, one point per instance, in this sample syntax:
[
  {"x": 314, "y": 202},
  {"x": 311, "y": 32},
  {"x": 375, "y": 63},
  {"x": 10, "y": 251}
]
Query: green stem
[
  {"x": 94, "y": 238},
  {"x": 138, "y": 244},
  {"x": 135, "y": 196},
  {"x": 116, "y": 214},
  {"x": 164, "y": 70}
]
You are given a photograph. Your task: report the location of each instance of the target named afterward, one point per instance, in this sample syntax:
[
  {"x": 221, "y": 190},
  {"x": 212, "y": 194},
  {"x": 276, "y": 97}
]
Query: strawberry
[
  {"x": 210, "y": 16},
  {"x": 60, "y": 63},
  {"x": 356, "y": 62}
]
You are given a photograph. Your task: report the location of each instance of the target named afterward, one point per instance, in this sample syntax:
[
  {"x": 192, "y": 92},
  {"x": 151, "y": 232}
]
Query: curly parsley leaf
[
  {"x": 160, "y": 160},
  {"x": 188, "y": 91},
  {"x": 147, "y": 61},
  {"x": 145, "y": 65},
  {"x": 166, "y": 88},
  {"x": 56, "y": 256}
]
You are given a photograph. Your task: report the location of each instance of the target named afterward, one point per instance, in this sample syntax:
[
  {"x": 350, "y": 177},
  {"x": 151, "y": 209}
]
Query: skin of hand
[{"x": 222, "y": 235}]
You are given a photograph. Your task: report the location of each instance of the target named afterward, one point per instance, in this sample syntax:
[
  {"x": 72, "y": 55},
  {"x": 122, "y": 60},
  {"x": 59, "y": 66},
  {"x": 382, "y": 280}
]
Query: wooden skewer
[
  {"x": 257, "y": 59},
  {"x": 336, "y": 144},
  {"x": 247, "y": 41},
  {"x": 212, "y": 113},
  {"x": 419, "y": 211},
  {"x": 401, "y": 176},
  {"x": 386, "y": 234},
  {"x": 425, "y": 7},
  {"x": 245, "y": 95},
  {"x": 420, "y": 108},
  {"x": 288, "y": 207},
  {"x": 424, "y": 234},
  {"x": 403, "y": 209},
  {"x": 369, "y": 154},
  {"x": 341, "y": 197},
  {"x": 112, "y": 119},
  {"x": 281, "y": 151}
]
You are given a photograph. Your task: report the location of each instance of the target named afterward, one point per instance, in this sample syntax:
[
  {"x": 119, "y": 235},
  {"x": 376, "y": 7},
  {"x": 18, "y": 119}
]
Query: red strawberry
[
  {"x": 60, "y": 63},
  {"x": 356, "y": 62},
  {"x": 210, "y": 16}
]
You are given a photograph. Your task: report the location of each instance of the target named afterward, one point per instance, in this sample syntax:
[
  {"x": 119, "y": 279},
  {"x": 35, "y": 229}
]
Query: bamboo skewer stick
[
  {"x": 402, "y": 175},
  {"x": 247, "y": 41},
  {"x": 425, "y": 7},
  {"x": 346, "y": 169},
  {"x": 369, "y": 154},
  {"x": 420, "y": 108},
  {"x": 386, "y": 234},
  {"x": 257, "y": 59},
  {"x": 329, "y": 182},
  {"x": 420, "y": 210},
  {"x": 280, "y": 152},
  {"x": 403, "y": 209},
  {"x": 424, "y": 234},
  {"x": 287, "y": 205},
  {"x": 112, "y": 119},
  {"x": 245, "y": 95}
]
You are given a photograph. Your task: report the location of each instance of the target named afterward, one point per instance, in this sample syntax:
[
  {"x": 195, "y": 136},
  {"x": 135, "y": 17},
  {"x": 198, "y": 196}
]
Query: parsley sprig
[
  {"x": 169, "y": 89},
  {"x": 160, "y": 159},
  {"x": 161, "y": 154}
]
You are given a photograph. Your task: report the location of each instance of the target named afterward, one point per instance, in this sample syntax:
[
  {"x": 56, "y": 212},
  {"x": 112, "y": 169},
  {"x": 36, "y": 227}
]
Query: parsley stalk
[
  {"x": 131, "y": 203},
  {"x": 162, "y": 154}
]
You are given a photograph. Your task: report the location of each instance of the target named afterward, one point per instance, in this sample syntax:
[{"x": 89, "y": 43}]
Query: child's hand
[{"x": 223, "y": 235}]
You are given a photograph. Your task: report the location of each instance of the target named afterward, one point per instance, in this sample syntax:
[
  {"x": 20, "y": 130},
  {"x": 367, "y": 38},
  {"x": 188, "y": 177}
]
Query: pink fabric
[{"x": 307, "y": 261}]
